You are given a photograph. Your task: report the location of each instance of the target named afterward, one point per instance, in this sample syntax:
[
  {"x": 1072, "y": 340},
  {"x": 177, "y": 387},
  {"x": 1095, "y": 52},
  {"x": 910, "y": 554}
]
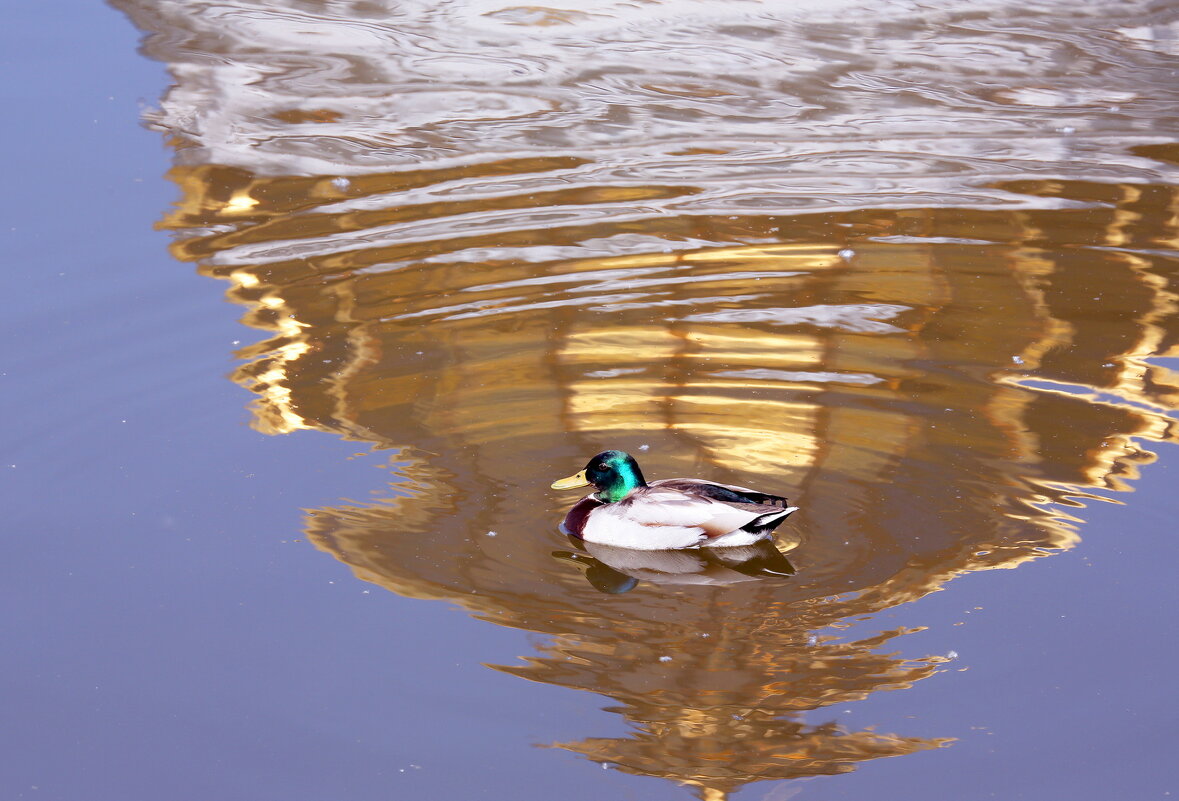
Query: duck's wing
[
  {"x": 667, "y": 505},
  {"x": 725, "y": 493}
]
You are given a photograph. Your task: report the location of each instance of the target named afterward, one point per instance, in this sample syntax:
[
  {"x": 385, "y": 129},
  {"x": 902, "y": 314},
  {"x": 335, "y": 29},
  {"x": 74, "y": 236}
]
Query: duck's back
[{"x": 725, "y": 493}]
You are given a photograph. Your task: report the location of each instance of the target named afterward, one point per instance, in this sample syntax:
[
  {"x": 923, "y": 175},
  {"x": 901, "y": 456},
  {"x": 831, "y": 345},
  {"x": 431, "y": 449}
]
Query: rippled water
[{"x": 913, "y": 266}]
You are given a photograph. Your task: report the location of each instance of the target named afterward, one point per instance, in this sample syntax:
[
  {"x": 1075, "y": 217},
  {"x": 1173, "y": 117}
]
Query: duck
[{"x": 666, "y": 515}]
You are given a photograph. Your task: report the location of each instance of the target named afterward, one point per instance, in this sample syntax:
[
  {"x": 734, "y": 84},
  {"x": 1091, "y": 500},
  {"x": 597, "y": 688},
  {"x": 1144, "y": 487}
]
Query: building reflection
[
  {"x": 936, "y": 401},
  {"x": 491, "y": 266}
]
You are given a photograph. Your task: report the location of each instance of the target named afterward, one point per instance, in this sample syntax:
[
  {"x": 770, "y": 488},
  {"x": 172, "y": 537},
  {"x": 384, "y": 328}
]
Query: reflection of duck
[
  {"x": 617, "y": 570},
  {"x": 669, "y": 514}
]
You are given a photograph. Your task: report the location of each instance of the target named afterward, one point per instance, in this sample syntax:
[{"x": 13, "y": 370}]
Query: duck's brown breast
[{"x": 575, "y": 519}]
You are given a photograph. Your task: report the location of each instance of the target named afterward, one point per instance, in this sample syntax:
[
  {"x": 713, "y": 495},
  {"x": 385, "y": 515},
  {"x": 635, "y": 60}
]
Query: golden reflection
[
  {"x": 934, "y": 407},
  {"x": 492, "y": 265}
]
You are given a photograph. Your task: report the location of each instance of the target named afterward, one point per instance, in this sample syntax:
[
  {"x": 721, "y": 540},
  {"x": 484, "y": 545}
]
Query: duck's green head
[{"x": 615, "y": 474}]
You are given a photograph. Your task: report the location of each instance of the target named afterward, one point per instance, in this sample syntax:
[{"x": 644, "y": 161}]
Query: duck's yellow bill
[{"x": 572, "y": 482}]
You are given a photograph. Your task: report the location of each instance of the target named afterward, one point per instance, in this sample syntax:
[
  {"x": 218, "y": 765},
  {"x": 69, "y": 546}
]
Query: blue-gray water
[{"x": 170, "y": 630}]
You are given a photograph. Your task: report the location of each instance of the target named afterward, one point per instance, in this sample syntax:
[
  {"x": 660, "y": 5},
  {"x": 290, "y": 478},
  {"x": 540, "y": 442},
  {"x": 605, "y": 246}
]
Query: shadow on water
[{"x": 936, "y": 326}]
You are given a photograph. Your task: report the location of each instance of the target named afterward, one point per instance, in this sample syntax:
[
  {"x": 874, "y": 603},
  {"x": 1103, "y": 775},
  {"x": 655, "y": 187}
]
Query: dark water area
[{"x": 309, "y": 302}]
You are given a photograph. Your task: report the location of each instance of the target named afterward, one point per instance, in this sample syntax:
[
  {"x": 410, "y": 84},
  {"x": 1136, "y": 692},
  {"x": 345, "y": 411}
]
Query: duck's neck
[{"x": 626, "y": 479}]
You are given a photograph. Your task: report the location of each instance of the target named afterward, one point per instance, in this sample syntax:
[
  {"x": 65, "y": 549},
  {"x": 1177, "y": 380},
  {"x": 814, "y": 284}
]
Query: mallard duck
[{"x": 666, "y": 515}]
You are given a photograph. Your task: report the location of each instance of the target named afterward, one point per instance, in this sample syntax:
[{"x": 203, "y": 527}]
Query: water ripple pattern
[
  {"x": 913, "y": 265},
  {"x": 798, "y": 240},
  {"x": 782, "y": 105}
]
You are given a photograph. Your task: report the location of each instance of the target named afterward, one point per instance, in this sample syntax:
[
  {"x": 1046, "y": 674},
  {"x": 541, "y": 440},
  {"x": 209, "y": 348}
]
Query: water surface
[{"x": 912, "y": 266}]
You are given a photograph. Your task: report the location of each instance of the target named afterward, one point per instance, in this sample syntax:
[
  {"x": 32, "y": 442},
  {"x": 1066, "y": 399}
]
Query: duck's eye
[{"x": 602, "y": 467}]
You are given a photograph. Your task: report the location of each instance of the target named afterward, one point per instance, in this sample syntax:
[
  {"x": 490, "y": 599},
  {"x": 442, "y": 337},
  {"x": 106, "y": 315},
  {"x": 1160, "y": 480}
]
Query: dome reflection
[{"x": 495, "y": 275}]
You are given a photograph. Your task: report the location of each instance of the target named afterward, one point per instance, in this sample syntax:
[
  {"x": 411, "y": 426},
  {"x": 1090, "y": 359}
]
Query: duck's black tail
[{"x": 769, "y": 521}]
